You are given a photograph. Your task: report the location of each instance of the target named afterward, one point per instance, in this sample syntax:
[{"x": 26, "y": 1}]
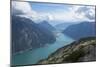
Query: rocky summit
[{"x": 83, "y": 50}]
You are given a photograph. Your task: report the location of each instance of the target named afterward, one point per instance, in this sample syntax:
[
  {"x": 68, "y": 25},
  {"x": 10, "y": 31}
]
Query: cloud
[
  {"x": 88, "y": 11},
  {"x": 23, "y": 9},
  {"x": 74, "y": 13},
  {"x": 20, "y": 7}
]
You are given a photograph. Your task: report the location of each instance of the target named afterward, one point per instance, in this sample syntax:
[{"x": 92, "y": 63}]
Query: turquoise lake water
[{"x": 33, "y": 56}]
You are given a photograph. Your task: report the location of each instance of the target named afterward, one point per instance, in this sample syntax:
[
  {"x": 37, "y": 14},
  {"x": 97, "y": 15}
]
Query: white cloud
[
  {"x": 23, "y": 9},
  {"x": 87, "y": 13},
  {"x": 20, "y": 7},
  {"x": 73, "y": 14}
]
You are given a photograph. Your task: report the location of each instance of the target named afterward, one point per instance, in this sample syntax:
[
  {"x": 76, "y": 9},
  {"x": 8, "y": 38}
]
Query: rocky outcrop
[{"x": 83, "y": 50}]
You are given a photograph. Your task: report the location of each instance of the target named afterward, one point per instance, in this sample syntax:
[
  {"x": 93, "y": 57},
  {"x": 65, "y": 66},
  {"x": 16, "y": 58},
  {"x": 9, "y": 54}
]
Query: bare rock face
[{"x": 83, "y": 50}]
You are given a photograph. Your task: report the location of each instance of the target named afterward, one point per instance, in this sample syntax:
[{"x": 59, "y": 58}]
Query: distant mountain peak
[{"x": 46, "y": 25}]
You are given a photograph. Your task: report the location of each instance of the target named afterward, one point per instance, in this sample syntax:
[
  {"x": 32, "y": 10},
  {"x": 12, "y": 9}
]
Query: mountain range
[
  {"x": 80, "y": 30},
  {"x": 28, "y": 35}
]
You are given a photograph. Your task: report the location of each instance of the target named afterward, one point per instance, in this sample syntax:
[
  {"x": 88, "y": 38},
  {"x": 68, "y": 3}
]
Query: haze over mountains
[{"x": 63, "y": 26}]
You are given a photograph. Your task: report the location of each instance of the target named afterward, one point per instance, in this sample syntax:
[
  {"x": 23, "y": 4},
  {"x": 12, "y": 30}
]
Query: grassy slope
[{"x": 78, "y": 51}]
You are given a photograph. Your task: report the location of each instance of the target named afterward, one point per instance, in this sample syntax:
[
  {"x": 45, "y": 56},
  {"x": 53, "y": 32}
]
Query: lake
[{"x": 33, "y": 56}]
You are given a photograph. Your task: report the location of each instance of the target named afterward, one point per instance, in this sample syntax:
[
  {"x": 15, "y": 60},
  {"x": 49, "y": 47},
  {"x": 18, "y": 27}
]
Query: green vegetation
[
  {"x": 81, "y": 50},
  {"x": 74, "y": 56}
]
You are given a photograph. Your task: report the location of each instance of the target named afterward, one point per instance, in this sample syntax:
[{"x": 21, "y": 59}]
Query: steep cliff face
[
  {"x": 82, "y": 50},
  {"x": 28, "y": 35}
]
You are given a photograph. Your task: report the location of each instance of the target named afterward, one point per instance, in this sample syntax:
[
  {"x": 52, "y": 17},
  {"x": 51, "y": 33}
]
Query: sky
[{"x": 59, "y": 13}]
